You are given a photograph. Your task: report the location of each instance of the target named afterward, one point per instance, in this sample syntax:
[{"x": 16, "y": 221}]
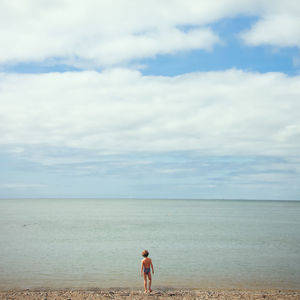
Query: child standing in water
[{"x": 145, "y": 269}]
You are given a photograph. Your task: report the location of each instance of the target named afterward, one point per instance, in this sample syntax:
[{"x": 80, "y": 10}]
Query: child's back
[{"x": 147, "y": 262}]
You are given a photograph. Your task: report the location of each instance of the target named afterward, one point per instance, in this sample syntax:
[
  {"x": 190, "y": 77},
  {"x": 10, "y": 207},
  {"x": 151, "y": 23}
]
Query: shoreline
[{"x": 159, "y": 293}]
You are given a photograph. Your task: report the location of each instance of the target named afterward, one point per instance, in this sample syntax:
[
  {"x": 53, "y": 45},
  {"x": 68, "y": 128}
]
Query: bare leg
[
  {"x": 145, "y": 282},
  {"x": 150, "y": 281}
]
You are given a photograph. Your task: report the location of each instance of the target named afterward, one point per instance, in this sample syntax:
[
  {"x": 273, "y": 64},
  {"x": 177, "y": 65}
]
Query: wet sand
[{"x": 187, "y": 294}]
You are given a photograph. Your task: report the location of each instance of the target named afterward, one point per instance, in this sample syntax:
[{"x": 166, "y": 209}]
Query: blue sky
[{"x": 185, "y": 100}]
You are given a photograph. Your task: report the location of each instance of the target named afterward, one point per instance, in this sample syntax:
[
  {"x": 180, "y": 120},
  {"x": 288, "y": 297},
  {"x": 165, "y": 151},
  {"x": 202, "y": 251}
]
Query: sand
[{"x": 187, "y": 294}]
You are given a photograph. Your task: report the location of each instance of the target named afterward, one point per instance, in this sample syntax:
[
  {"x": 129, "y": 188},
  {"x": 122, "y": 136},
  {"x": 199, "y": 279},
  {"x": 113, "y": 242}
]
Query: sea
[{"x": 97, "y": 243}]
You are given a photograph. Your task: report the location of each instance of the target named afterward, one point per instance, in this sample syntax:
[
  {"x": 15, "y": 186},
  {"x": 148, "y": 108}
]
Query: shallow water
[{"x": 193, "y": 243}]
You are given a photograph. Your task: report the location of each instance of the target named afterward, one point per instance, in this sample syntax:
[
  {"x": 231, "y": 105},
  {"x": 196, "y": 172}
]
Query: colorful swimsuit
[{"x": 146, "y": 270}]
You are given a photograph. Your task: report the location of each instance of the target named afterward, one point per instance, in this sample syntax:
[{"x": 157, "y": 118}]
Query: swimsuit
[{"x": 146, "y": 270}]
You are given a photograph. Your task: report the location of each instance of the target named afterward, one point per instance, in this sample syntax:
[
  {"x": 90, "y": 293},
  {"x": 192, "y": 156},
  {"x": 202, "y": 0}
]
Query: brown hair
[{"x": 145, "y": 253}]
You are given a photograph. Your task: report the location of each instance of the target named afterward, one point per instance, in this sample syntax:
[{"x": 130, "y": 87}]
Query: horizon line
[{"x": 141, "y": 198}]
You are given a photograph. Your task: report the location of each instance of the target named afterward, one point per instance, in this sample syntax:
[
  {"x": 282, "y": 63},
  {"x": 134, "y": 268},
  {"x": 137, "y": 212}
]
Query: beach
[{"x": 188, "y": 294}]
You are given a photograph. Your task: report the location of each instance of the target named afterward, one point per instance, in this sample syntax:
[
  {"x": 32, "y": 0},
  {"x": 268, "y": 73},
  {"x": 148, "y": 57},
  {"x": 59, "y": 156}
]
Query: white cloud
[
  {"x": 282, "y": 30},
  {"x": 268, "y": 177},
  {"x": 132, "y": 163},
  {"x": 175, "y": 170},
  {"x": 279, "y": 25},
  {"x": 119, "y": 111},
  {"x": 104, "y": 33},
  {"x": 21, "y": 185},
  {"x": 99, "y": 32},
  {"x": 296, "y": 61}
]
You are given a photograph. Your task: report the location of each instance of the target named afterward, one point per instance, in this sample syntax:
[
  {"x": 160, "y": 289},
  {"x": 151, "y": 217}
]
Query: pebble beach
[{"x": 187, "y": 294}]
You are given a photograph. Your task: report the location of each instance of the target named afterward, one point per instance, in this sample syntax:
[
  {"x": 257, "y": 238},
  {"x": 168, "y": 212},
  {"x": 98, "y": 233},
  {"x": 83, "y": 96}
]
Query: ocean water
[{"x": 82, "y": 243}]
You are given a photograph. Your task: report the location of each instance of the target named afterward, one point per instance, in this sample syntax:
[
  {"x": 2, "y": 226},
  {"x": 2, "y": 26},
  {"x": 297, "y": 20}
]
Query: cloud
[
  {"x": 121, "y": 111},
  {"x": 100, "y": 32},
  {"x": 281, "y": 30},
  {"x": 175, "y": 170},
  {"x": 279, "y": 25},
  {"x": 21, "y": 186},
  {"x": 95, "y": 33}
]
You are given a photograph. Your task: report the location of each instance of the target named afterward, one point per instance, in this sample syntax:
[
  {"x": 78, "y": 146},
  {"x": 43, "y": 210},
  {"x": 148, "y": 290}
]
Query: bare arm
[
  {"x": 152, "y": 267},
  {"x": 142, "y": 268}
]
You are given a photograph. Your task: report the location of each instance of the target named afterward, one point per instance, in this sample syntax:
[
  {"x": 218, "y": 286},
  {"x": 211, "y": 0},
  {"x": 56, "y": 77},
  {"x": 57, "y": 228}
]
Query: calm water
[{"x": 193, "y": 243}]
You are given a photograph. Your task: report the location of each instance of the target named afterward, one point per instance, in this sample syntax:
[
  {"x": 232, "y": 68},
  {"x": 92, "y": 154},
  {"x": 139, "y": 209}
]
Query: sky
[{"x": 188, "y": 99}]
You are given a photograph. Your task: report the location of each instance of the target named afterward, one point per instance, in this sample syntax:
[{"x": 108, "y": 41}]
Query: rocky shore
[{"x": 190, "y": 294}]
